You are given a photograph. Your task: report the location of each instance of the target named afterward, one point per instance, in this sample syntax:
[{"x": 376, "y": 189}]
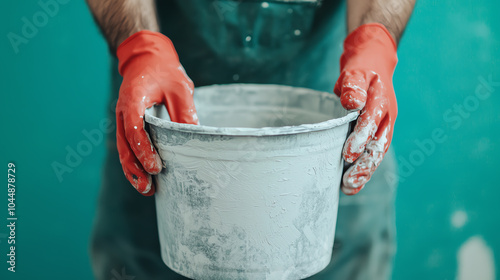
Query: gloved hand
[
  {"x": 365, "y": 84},
  {"x": 152, "y": 74}
]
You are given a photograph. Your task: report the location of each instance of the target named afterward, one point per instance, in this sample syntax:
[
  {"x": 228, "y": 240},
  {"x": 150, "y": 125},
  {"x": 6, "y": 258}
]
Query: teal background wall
[{"x": 56, "y": 86}]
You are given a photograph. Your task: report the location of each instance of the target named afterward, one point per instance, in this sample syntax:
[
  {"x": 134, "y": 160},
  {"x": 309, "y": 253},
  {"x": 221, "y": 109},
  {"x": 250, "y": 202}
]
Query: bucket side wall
[{"x": 247, "y": 207}]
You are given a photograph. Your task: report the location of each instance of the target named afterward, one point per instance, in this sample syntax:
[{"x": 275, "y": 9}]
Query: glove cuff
[
  {"x": 145, "y": 43},
  {"x": 371, "y": 39}
]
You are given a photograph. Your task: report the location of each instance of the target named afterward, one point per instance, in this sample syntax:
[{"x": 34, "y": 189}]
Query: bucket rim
[{"x": 247, "y": 131}]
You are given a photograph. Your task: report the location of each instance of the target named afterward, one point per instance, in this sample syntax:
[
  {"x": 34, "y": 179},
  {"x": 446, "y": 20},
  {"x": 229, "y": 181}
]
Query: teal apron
[{"x": 295, "y": 43}]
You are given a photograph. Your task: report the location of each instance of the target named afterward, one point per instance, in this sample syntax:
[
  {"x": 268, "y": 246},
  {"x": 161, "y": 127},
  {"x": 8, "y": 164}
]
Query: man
[{"x": 285, "y": 42}]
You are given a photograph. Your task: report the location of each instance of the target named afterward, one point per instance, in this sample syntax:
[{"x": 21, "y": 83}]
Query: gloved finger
[
  {"x": 352, "y": 88},
  {"x": 132, "y": 168},
  {"x": 360, "y": 172},
  {"x": 179, "y": 100},
  {"x": 138, "y": 138},
  {"x": 368, "y": 121}
]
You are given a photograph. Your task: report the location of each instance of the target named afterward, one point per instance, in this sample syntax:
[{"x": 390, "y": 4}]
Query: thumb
[
  {"x": 179, "y": 102},
  {"x": 351, "y": 88}
]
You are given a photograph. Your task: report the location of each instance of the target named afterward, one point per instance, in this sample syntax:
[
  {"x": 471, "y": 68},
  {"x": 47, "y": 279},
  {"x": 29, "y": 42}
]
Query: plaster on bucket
[{"x": 253, "y": 192}]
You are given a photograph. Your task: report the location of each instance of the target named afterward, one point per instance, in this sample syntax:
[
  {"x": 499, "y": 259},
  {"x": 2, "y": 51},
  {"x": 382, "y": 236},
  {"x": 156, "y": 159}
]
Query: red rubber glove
[
  {"x": 365, "y": 84},
  {"x": 152, "y": 74}
]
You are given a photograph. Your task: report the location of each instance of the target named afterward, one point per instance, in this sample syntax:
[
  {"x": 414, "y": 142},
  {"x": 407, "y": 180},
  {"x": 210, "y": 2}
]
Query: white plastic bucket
[{"x": 252, "y": 193}]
